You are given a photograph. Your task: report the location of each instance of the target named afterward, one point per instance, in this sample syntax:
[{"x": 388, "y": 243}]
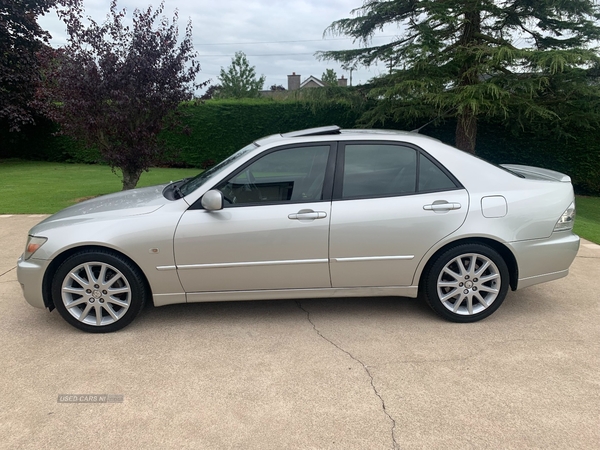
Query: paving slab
[{"x": 361, "y": 373}]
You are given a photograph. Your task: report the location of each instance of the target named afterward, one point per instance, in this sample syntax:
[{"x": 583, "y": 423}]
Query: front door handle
[
  {"x": 307, "y": 214},
  {"x": 441, "y": 206}
]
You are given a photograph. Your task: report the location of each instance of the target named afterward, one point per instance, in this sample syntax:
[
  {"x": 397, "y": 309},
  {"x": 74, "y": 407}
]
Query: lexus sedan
[{"x": 322, "y": 212}]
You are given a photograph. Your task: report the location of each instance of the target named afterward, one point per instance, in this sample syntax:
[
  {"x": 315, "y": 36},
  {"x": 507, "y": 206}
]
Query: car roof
[{"x": 333, "y": 132}]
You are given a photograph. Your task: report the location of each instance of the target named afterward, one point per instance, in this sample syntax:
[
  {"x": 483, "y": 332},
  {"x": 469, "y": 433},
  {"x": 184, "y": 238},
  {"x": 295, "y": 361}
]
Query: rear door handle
[
  {"x": 441, "y": 206},
  {"x": 307, "y": 214}
]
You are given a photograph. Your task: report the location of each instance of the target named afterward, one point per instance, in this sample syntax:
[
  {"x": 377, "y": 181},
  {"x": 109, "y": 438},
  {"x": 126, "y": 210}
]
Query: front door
[{"x": 273, "y": 231}]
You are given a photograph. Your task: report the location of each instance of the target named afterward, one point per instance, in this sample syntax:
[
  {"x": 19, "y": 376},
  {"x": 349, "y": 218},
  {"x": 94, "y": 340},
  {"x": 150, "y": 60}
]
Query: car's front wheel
[
  {"x": 467, "y": 283},
  {"x": 98, "y": 291}
]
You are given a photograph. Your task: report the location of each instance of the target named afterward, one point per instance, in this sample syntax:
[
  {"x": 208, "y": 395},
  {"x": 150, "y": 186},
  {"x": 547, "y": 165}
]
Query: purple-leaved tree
[
  {"x": 115, "y": 87},
  {"x": 20, "y": 39}
]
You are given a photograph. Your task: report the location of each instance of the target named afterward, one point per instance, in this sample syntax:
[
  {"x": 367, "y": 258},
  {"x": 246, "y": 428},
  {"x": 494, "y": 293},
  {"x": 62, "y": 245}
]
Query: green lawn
[
  {"x": 32, "y": 187},
  {"x": 587, "y": 219},
  {"x": 28, "y": 187}
]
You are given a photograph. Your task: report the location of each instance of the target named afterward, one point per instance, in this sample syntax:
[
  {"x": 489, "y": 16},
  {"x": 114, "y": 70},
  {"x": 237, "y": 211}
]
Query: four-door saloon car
[{"x": 315, "y": 213}]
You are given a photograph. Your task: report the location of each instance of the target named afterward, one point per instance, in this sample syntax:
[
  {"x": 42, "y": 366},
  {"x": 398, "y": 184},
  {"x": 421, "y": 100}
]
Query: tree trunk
[
  {"x": 466, "y": 126},
  {"x": 130, "y": 178},
  {"x": 466, "y": 131}
]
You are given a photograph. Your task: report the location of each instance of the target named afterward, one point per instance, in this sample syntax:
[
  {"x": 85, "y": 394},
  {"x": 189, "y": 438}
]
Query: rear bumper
[
  {"x": 542, "y": 260},
  {"x": 30, "y": 274}
]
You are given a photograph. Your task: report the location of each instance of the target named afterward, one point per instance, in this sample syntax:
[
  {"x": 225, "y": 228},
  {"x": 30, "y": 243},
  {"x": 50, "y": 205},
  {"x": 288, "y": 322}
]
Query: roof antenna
[{"x": 417, "y": 130}]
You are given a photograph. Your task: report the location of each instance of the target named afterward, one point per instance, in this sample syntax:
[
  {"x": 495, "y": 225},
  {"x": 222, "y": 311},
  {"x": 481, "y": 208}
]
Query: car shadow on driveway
[
  {"x": 376, "y": 308},
  {"x": 402, "y": 311}
]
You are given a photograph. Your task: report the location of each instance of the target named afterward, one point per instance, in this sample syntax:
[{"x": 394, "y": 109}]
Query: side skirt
[{"x": 286, "y": 294}]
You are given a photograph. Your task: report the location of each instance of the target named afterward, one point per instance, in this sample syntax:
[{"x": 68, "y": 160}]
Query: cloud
[{"x": 261, "y": 29}]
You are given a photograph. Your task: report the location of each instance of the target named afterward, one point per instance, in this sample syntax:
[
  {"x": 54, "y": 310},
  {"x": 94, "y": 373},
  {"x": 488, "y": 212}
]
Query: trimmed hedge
[
  {"x": 579, "y": 157},
  {"x": 39, "y": 142},
  {"x": 217, "y": 128},
  {"x": 212, "y": 131}
]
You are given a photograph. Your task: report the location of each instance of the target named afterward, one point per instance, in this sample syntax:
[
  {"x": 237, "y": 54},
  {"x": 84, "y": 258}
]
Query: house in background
[
  {"x": 295, "y": 84},
  {"x": 311, "y": 82}
]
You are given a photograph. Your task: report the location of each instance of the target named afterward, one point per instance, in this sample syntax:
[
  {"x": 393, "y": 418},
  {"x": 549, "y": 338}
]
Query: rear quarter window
[{"x": 432, "y": 178}]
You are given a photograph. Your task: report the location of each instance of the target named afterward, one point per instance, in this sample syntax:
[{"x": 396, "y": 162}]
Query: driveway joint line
[
  {"x": 366, "y": 369},
  {"x": 12, "y": 268}
]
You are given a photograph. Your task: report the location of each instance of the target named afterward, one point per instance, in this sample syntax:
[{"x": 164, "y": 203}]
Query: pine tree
[
  {"x": 239, "y": 80},
  {"x": 465, "y": 59}
]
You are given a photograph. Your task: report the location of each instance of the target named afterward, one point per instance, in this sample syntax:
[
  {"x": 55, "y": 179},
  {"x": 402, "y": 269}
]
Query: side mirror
[{"x": 212, "y": 200}]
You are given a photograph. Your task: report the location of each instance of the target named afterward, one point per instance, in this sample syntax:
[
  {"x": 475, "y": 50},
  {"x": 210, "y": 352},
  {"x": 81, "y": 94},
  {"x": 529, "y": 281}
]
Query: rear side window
[
  {"x": 388, "y": 169},
  {"x": 379, "y": 170}
]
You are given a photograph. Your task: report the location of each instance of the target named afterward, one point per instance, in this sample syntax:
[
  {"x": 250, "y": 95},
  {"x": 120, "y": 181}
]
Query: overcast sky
[{"x": 279, "y": 37}]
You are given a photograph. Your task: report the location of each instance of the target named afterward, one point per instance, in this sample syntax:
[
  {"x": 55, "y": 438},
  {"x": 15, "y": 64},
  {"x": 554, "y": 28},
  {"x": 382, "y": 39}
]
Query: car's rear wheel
[
  {"x": 467, "y": 283},
  {"x": 98, "y": 291}
]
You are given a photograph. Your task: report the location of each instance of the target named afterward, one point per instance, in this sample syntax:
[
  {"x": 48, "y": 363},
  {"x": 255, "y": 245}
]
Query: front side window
[{"x": 289, "y": 175}]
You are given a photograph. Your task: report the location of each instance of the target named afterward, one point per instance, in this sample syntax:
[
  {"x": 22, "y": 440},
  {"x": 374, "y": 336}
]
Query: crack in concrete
[
  {"x": 9, "y": 270},
  {"x": 478, "y": 353},
  {"x": 572, "y": 341},
  {"x": 588, "y": 257},
  {"x": 366, "y": 369}
]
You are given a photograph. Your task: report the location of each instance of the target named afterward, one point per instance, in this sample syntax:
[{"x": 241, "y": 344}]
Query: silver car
[{"x": 316, "y": 213}]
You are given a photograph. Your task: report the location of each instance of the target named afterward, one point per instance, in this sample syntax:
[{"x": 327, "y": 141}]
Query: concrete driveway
[{"x": 362, "y": 373}]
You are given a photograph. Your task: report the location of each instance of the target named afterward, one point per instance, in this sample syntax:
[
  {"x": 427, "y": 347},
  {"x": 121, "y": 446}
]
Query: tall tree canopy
[
  {"x": 329, "y": 77},
  {"x": 20, "y": 39},
  {"x": 115, "y": 87},
  {"x": 239, "y": 80},
  {"x": 522, "y": 59}
]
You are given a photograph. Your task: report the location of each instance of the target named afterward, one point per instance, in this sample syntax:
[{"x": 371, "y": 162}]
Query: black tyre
[
  {"x": 98, "y": 291},
  {"x": 467, "y": 283}
]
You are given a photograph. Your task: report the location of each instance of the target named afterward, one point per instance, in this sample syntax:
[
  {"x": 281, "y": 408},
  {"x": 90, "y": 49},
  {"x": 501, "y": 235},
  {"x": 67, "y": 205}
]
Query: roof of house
[{"x": 314, "y": 80}]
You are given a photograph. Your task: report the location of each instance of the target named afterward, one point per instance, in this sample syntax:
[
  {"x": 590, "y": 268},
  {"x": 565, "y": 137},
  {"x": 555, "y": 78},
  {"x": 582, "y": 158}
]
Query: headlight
[
  {"x": 33, "y": 245},
  {"x": 567, "y": 219}
]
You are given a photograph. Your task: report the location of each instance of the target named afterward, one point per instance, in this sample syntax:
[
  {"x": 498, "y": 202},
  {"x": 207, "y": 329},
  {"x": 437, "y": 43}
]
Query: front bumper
[
  {"x": 30, "y": 274},
  {"x": 542, "y": 260}
]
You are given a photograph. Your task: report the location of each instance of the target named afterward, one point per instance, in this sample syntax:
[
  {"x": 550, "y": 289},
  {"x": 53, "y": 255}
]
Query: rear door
[{"x": 391, "y": 204}]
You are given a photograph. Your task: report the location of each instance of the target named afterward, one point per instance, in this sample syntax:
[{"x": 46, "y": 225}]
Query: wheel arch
[
  {"x": 503, "y": 250},
  {"x": 62, "y": 257}
]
